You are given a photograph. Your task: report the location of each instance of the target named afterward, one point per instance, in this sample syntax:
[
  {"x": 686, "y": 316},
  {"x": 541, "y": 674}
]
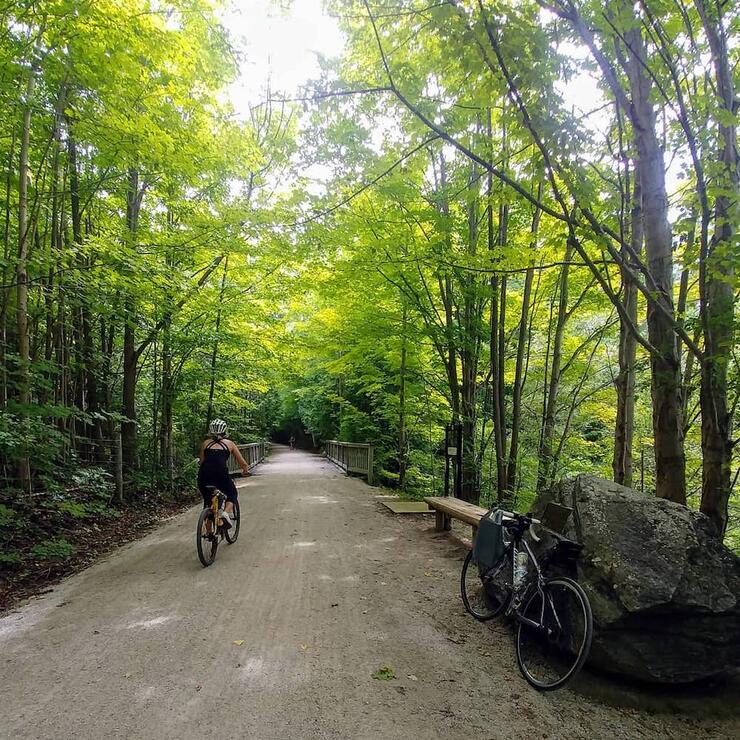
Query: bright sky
[{"x": 279, "y": 40}]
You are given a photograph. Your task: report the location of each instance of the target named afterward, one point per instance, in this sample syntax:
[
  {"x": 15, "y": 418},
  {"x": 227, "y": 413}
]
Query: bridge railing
[
  {"x": 252, "y": 452},
  {"x": 354, "y": 457}
]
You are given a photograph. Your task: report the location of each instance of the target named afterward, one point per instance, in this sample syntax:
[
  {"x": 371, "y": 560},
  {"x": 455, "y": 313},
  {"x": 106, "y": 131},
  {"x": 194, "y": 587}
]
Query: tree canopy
[{"x": 517, "y": 217}]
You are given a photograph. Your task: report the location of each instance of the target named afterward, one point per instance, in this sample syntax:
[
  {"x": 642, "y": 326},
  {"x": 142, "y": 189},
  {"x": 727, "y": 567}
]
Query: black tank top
[{"x": 215, "y": 459}]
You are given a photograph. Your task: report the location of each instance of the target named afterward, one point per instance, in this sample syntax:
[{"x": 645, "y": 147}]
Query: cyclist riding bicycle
[{"x": 214, "y": 471}]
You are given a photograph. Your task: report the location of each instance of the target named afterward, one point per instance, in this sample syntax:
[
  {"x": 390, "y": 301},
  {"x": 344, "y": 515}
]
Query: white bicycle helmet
[{"x": 218, "y": 427}]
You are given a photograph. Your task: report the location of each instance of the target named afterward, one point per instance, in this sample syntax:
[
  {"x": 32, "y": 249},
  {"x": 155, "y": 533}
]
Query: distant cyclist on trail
[
  {"x": 214, "y": 471},
  {"x": 292, "y": 441}
]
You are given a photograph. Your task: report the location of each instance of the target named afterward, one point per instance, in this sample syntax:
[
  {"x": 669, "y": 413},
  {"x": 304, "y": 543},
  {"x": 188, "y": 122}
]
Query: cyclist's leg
[
  {"x": 207, "y": 494},
  {"x": 229, "y": 488}
]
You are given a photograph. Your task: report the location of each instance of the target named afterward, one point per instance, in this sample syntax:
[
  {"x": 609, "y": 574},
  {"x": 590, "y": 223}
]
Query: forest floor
[
  {"x": 283, "y": 635},
  {"x": 87, "y": 539}
]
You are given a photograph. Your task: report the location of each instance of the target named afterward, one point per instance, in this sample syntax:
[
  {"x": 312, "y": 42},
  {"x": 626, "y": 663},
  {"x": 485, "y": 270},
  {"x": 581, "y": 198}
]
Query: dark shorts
[{"x": 224, "y": 484}]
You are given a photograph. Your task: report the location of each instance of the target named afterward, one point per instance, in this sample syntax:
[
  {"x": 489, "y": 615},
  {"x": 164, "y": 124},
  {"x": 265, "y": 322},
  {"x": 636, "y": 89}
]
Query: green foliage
[
  {"x": 358, "y": 306},
  {"x": 11, "y": 558},
  {"x": 53, "y": 549},
  {"x": 385, "y": 673},
  {"x": 74, "y": 509},
  {"x": 7, "y": 515}
]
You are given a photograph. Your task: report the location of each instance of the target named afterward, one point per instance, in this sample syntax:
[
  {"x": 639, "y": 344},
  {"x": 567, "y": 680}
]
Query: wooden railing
[
  {"x": 353, "y": 457},
  {"x": 253, "y": 453}
]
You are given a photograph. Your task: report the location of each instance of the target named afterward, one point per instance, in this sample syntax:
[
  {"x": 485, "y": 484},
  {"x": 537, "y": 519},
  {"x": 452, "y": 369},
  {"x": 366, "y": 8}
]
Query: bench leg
[{"x": 439, "y": 521}]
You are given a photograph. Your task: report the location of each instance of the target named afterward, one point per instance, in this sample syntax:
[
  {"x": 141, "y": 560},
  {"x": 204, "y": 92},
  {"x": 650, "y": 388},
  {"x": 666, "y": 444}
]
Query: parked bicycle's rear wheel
[
  {"x": 554, "y": 642},
  {"x": 486, "y": 598}
]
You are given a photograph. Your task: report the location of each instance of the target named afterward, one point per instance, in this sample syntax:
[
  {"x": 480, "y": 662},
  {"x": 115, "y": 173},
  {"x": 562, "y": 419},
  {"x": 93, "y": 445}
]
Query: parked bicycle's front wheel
[
  {"x": 486, "y": 598},
  {"x": 554, "y": 634},
  {"x": 206, "y": 541}
]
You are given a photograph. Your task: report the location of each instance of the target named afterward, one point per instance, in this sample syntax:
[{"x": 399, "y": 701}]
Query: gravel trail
[{"x": 324, "y": 588}]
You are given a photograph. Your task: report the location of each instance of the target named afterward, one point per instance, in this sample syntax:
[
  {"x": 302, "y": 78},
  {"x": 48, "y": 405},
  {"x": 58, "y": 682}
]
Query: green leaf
[{"x": 385, "y": 673}]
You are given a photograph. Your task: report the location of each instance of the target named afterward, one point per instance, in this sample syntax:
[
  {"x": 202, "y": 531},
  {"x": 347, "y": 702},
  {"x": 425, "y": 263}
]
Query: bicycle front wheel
[
  {"x": 554, "y": 642},
  {"x": 485, "y": 598},
  {"x": 206, "y": 542},
  {"x": 232, "y": 533}
]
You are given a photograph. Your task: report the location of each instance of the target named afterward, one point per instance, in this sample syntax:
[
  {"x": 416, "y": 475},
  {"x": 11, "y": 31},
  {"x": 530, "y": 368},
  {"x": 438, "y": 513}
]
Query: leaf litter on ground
[{"x": 385, "y": 673}]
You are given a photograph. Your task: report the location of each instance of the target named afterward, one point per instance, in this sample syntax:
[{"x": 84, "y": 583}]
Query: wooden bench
[{"x": 448, "y": 508}]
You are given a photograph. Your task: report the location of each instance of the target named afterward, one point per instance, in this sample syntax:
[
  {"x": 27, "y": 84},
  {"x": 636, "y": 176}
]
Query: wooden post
[
  {"x": 447, "y": 460},
  {"x": 370, "y": 465},
  {"x": 459, "y": 463},
  {"x": 118, "y": 452}
]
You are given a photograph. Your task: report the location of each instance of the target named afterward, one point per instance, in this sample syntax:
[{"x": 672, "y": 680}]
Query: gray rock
[{"x": 665, "y": 593}]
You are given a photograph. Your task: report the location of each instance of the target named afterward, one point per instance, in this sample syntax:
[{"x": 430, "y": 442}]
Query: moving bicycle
[{"x": 220, "y": 518}]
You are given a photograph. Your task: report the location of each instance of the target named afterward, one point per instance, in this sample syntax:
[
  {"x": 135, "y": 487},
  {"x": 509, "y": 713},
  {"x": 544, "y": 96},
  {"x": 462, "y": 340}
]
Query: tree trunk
[
  {"x": 129, "y": 437},
  {"x": 545, "y": 470},
  {"x": 498, "y": 331},
  {"x": 89, "y": 380},
  {"x": 107, "y": 343},
  {"x": 6, "y": 292},
  {"x": 402, "y": 458},
  {"x": 469, "y": 354},
  {"x": 168, "y": 390},
  {"x": 716, "y": 303},
  {"x": 625, "y": 382},
  {"x": 500, "y": 387},
  {"x": 214, "y": 351},
  {"x": 165, "y": 430},
  {"x": 516, "y": 403},
  {"x": 445, "y": 291},
  {"x": 668, "y": 439},
  {"x": 21, "y": 277}
]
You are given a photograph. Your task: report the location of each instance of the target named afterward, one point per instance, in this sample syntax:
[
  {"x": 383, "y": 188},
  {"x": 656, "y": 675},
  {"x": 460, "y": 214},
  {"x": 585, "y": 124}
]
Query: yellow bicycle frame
[{"x": 214, "y": 508}]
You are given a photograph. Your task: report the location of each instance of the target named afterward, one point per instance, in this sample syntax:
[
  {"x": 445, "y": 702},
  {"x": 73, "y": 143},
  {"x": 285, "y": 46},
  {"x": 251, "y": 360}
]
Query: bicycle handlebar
[{"x": 513, "y": 516}]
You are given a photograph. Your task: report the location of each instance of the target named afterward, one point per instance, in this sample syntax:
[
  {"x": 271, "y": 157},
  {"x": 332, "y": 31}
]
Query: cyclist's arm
[
  {"x": 238, "y": 455},
  {"x": 201, "y": 453}
]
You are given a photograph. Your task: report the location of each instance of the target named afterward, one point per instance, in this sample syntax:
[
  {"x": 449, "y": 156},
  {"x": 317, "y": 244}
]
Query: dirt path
[{"x": 324, "y": 588}]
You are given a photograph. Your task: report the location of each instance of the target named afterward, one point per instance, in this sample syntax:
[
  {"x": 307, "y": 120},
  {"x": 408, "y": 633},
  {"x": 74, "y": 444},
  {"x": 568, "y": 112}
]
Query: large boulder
[{"x": 665, "y": 592}]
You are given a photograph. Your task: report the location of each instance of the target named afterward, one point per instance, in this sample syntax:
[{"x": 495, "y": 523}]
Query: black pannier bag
[{"x": 489, "y": 545}]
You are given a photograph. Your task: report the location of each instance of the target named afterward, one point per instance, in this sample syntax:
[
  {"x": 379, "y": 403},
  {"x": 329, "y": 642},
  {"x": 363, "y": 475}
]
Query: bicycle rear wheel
[
  {"x": 486, "y": 598},
  {"x": 232, "y": 533},
  {"x": 551, "y": 653},
  {"x": 206, "y": 543}
]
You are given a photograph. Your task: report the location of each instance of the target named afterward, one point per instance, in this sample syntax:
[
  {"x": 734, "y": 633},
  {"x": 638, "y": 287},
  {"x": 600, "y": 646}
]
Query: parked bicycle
[
  {"x": 212, "y": 527},
  {"x": 501, "y": 575}
]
